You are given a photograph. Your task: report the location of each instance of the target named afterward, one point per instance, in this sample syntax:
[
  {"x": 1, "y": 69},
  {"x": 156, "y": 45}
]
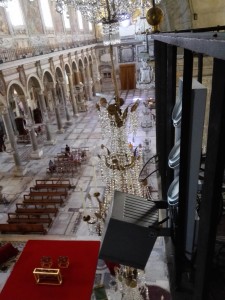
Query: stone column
[
  {"x": 81, "y": 102},
  {"x": 57, "y": 111},
  {"x": 92, "y": 76},
  {"x": 63, "y": 93},
  {"x": 97, "y": 78},
  {"x": 85, "y": 86},
  {"x": 89, "y": 83},
  {"x": 50, "y": 140},
  {"x": 19, "y": 170},
  {"x": 73, "y": 99},
  {"x": 36, "y": 152}
]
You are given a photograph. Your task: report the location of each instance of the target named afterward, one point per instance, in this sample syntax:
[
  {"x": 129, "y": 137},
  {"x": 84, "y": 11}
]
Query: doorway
[{"x": 127, "y": 76}]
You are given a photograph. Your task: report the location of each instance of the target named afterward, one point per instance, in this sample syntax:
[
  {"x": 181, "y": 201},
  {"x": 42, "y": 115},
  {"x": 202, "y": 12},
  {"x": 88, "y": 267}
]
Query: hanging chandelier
[
  {"x": 98, "y": 11},
  {"x": 111, "y": 34},
  {"x": 104, "y": 11},
  {"x": 109, "y": 13}
]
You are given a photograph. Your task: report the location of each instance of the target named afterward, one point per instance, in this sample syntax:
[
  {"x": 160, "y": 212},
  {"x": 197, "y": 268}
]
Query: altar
[{"x": 77, "y": 279}]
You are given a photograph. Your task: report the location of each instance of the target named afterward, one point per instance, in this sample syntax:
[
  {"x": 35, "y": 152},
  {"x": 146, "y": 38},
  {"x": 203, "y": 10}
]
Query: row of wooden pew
[{"x": 38, "y": 209}]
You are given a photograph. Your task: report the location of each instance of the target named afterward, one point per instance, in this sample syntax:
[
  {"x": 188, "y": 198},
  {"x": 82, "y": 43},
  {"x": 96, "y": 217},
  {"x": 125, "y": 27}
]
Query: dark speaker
[{"x": 129, "y": 234}]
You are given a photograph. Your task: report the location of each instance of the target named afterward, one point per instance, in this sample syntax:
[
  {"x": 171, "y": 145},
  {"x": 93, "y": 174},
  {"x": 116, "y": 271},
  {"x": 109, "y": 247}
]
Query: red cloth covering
[
  {"x": 78, "y": 278},
  {"x": 111, "y": 266}
]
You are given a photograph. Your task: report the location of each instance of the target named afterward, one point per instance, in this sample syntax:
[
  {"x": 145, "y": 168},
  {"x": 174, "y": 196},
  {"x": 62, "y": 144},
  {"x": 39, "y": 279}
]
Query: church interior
[{"x": 112, "y": 118}]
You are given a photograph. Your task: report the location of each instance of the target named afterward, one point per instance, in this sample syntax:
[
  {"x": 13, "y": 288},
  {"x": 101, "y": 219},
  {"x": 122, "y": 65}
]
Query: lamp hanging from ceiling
[
  {"x": 109, "y": 13},
  {"x": 154, "y": 16},
  {"x": 111, "y": 34}
]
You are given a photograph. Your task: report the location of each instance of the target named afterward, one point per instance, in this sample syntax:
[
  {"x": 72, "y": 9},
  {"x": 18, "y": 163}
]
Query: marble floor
[{"x": 84, "y": 131}]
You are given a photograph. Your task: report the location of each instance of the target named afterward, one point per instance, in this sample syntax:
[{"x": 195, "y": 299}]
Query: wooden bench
[
  {"x": 56, "y": 194},
  {"x": 60, "y": 189},
  {"x": 29, "y": 218},
  {"x": 23, "y": 209},
  {"x": 42, "y": 200},
  {"x": 22, "y": 228},
  {"x": 53, "y": 183},
  {"x": 63, "y": 170}
]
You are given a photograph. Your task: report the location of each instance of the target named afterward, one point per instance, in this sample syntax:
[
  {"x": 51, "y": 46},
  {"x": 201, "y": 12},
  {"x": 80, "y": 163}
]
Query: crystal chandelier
[
  {"x": 97, "y": 11},
  {"x": 4, "y": 3},
  {"x": 111, "y": 35},
  {"x": 120, "y": 165},
  {"x": 131, "y": 282},
  {"x": 107, "y": 12},
  {"x": 141, "y": 24}
]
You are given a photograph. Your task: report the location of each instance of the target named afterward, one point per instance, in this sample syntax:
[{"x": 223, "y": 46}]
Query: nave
[{"x": 68, "y": 224}]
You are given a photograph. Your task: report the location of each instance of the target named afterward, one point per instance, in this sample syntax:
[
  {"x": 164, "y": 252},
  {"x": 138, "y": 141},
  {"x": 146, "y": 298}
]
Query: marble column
[
  {"x": 84, "y": 82},
  {"x": 19, "y": 169},
  {"x": 50, "y": 140},
  {"x": 36, "y": 152},
  {"x": 81, "y": 102},
  {"x": 93, "y": 85},
  {"x": 73, "y": 99},
  {"x": 89, "y": 83},
  {"x": 63, "y": 93},
  {"x": 57, "y": 111}
]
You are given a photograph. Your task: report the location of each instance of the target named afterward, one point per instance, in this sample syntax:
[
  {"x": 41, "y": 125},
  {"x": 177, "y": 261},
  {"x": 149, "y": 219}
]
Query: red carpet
[{"x": 78, "y": 279}]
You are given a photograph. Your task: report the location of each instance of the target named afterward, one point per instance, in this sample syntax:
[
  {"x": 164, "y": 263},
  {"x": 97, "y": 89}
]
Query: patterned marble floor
[{"x": 85, "y": 131}]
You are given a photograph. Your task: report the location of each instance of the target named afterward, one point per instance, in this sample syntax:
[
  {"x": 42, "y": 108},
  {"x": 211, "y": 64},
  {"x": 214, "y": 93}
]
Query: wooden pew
[
  {"x": 22, "y": 228},
  {"x": 48, "y": 193},
  {"x": 64, "y": 169},
  {"x": 42, "y": 200},
  {"x": 67, "y": 162},
  {"x": 33, "y": 209},
  {"x": 29, "y": 218},
  {"x": 53, "y": 183}
]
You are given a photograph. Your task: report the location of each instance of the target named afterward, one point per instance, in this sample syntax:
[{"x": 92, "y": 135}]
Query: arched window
[
  {"x": 46, "y": 14},
  {"x": 80, "y": 20},
  {"x": 15, "y": 13}
]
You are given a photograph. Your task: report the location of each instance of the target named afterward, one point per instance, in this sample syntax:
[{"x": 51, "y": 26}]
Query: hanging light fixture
[
  {"x": 110, "y": 31},
  {"x": 154, "y": 16},
  {"x": 141, "y": 24},
  {"x": 107, "y": 12}
]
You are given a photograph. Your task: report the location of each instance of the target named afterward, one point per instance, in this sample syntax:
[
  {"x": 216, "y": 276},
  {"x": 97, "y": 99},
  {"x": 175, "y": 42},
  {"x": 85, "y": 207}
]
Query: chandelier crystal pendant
[{"x": 111, "y": 35}]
